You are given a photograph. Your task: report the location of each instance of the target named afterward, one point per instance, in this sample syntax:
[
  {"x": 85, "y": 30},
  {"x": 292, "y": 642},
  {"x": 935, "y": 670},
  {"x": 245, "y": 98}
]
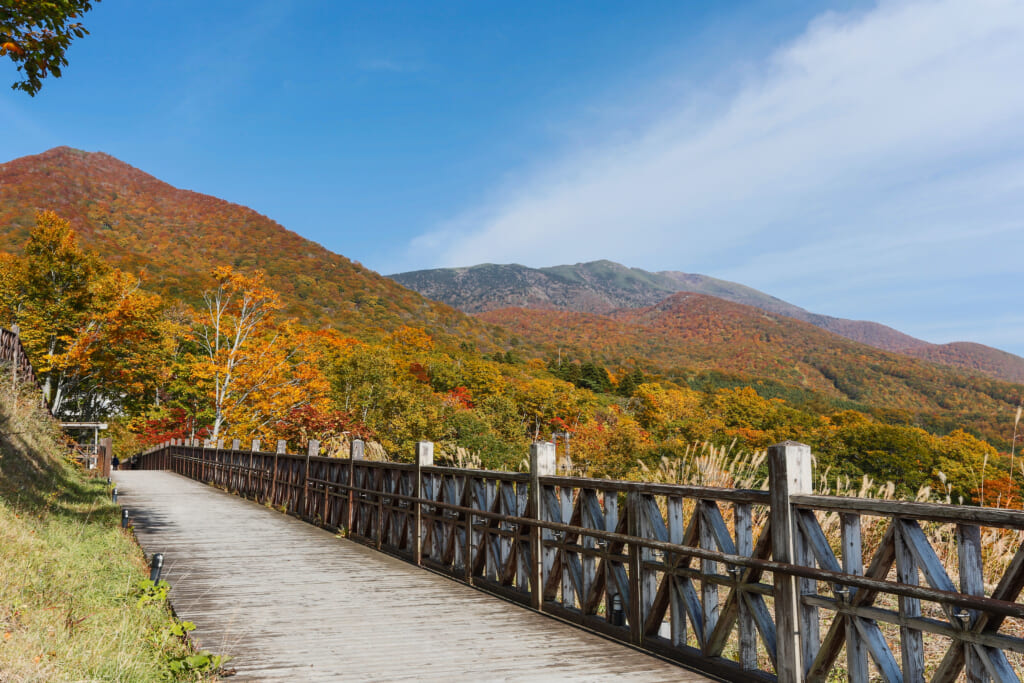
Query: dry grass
[
  {"x": 340, "y": 446},
  {"x": 459, "y": 457},
  {"x": 704, "y": 464}
]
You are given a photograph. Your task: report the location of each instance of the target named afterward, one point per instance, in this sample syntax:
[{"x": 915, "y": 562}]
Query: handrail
[
  {"x": 744, "y": 585},
  {"x": 929, "y": 512},
  {"x": 12, "y": 351}
]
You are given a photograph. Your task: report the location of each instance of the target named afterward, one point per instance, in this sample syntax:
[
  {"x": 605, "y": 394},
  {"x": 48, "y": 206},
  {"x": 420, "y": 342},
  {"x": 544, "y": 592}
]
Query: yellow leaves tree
[
  {"x": 11, "y": 295},
  {"x": 97, "y": 340},
  {"x": 966, "y": 462},
  {"x": 48, "y": 295},
  {"x": 410, "y": 340},
  {"x": 121, "y": 355},
  {"x": 610, "y": 443},
  {"x": 668, "y": 412},
  {"x": 255, "y": 368},
  {"x": 541, "y": 400}
]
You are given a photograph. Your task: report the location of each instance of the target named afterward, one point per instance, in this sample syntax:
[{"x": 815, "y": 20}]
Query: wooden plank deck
[{"x": 291, "y": 602}]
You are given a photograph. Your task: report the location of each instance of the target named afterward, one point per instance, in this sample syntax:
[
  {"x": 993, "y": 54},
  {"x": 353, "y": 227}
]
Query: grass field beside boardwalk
[{"x": 69, "y": 575}]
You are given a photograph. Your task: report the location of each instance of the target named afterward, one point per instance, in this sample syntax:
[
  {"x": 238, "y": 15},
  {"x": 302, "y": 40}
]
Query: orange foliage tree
[
  {"x": 98, "y": 341},
  {"x": 254, "y": 367}
]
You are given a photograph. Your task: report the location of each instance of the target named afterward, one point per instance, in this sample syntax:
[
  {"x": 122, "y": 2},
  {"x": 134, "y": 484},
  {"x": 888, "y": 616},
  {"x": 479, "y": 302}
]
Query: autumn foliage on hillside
[
  {"x": 704, "y": 342},
  {"x": 604, "y": 287},
  {"x": 173, "y": 239},
  {"x": 624, "y": 394}
]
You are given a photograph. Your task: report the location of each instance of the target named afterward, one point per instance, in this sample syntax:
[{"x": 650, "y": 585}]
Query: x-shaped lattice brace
[
  {"x": 504, "y": 562},
  {"x": 712, "y": 622},
  {"x": 516, "y": 567},
  {"x": 993, "y": 660},
  {"x": 442, "y": 536},
  {"x": 563, "y": 561},
  {"x": 365, "y": 511},
  {"x": 609, "y": 576},
  {"x": 396, "y": 525},
  {"x": 906, "y": 536}
]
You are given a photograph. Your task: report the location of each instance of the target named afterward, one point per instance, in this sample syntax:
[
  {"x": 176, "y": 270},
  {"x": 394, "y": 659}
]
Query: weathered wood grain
[{"x": 293, "y": 602}]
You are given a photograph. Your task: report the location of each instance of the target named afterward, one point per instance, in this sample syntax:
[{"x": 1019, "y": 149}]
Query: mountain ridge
[
  {"x": 172, "y": 238},
  {"x": 688, "y": 335},
  {"x": 603, "y": 287}
]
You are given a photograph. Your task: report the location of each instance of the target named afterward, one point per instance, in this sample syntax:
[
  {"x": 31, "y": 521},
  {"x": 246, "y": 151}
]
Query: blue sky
[{"x": 860, "y": 159}]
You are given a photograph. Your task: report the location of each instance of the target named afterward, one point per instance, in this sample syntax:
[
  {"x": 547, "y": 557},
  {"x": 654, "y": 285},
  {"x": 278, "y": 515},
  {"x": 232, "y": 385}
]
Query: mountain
[
  {"x": 604, "y": 286},
  {"x": 172, "y": 238},
  {"x": 597, "y": 287},
  {"x": 690, "y": 337}
]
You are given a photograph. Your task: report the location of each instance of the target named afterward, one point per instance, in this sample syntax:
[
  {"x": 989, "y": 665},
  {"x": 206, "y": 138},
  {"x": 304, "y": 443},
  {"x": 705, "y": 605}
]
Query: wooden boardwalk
[{"x": 291, "y": 602}]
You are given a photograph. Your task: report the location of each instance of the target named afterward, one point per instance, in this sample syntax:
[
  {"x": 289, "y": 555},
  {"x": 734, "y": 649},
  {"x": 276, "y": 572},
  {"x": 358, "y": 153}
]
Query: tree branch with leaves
[{"x": 36, "y": 35}]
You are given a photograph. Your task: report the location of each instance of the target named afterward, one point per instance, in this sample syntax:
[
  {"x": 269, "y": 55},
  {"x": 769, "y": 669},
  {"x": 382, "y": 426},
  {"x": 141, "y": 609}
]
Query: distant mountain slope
[
  {"x": 174, "y": 237},
  {"x": 598, "y": 287},
  {"x": 604, "y": 286},
  {"x": 692, "y": 332}
]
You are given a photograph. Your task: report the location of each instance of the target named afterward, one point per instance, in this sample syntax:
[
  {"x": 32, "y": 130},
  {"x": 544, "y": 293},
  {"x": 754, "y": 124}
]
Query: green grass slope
[{"x": 68, "y": 573}]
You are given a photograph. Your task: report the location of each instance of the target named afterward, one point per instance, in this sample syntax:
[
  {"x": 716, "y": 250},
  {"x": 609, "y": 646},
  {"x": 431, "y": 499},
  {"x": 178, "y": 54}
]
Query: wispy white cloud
[{"x": 878, "y": 151}]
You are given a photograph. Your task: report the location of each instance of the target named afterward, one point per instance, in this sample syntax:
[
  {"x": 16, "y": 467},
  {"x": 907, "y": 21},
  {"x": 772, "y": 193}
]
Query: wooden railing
[
  {"x": 741, "y": 584},
  {"x": 12, "y": 353}
]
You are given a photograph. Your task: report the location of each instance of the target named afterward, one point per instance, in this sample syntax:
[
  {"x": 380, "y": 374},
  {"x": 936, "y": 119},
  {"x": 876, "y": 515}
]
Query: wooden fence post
[
  {"x": 312, "y": 451},
  {"x": 282, "y": 447},
  {"x": 424, "y": 458},
  {"x": 356, "y": 452},
  {"x": 108, "y": 454},
  {"x": 218, "y": 465},
  {"x": 256, "y": 495},
  {"x": 634, "y": 609},
  {"x": 542, "y": 464},
  {"x": 789, "y": 473},
  {"x": 234, "y": 478},
  {"x": 14, "y": 358}
]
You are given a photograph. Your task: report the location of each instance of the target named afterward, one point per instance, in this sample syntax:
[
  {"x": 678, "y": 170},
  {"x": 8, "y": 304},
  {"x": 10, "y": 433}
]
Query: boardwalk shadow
[{"x": 150, "y": 521}]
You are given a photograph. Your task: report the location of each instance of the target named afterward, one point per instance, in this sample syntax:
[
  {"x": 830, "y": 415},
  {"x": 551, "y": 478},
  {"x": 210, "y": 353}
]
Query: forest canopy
[{"x": 237, "y": 366}]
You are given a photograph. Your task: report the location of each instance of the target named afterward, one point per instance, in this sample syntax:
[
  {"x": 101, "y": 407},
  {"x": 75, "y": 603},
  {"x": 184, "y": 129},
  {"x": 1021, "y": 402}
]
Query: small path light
[
  {"x": 156, "y": 567},
  {"x": 842, "y": 592},
  {"x": 124, "y": 518},
  {"x": 618, "y": 616},
  {"x": 113, "y": 495}
]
